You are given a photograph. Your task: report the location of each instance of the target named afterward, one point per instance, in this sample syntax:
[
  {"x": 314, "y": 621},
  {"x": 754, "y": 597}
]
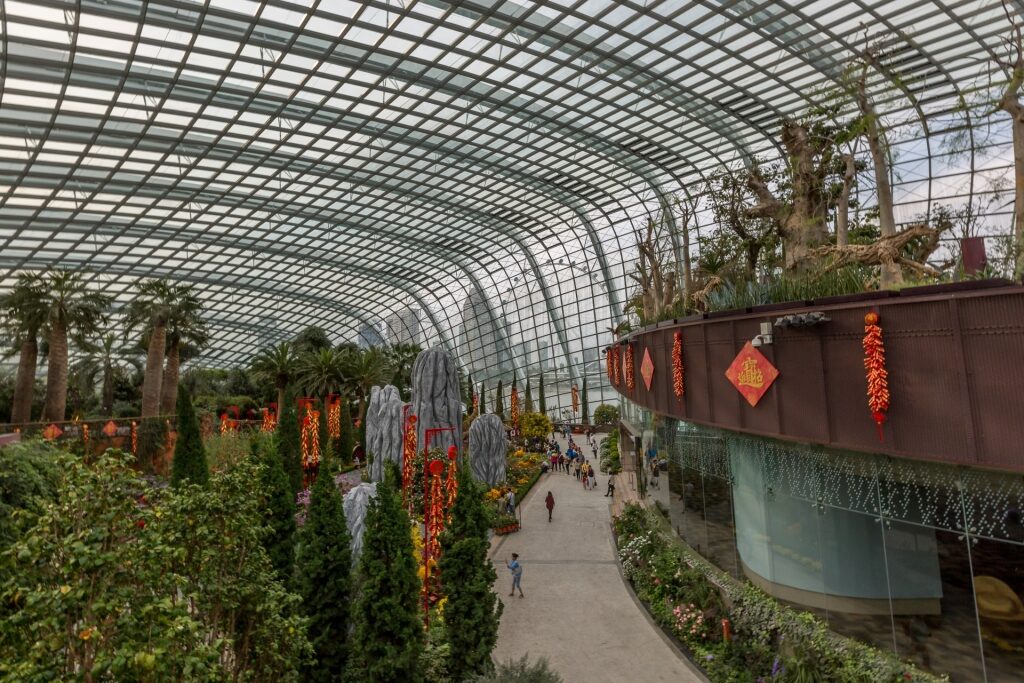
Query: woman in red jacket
[{"x": 550, "y": 503}]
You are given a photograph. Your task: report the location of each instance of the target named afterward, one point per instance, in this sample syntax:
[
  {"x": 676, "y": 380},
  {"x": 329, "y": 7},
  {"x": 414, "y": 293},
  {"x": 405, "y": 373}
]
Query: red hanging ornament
[
  {"x": 876, "y": 374},
  {"x": 451, "y": 483},
  {"x": 514, "y": 403},
  {"x": 677, "y": 365},
  {"x": 408, "y": 456},
  {"x": 616, "y": 372},
  {"x": 608, "y": 364},
  {"x": 630, "y": 377}
]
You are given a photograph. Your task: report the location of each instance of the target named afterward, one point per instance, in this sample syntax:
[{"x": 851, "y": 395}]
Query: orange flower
[{"x": 86, "y": 633}]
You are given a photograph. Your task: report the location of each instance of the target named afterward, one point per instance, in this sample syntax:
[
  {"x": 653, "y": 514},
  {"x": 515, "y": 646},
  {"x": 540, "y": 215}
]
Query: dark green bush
[{"x": 29, "y": 475}]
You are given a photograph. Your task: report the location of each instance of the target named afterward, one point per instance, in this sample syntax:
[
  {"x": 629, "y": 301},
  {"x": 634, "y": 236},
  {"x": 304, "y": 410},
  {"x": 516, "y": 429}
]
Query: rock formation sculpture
[
  {"x": 436, "y": 400},
  {"x": 384, "y": 429},
  {"x": 356, "y": 503},
  {"x": 488, "y": 449}
]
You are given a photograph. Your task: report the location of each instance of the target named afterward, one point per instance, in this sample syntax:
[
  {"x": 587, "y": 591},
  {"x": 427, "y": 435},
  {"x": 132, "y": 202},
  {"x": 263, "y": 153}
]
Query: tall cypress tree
[
  {"x": 499, "y": 402},
  {"x": 346, "y": 441},
  {"x": 585, "y": 406},
  {"x": 541, "y": 405},
  {"x": 469, "y": 394},
  {"x": 322, "y": 578},
  {"x": 289, "y": 446},
  {"x": 388, "y": 629},
  {"x": 483, "y": 397},
  {"x": 529, "y": 397},
  {"x": 189, "y": 464},
  {"x": 473, "y": 610},
  {"x": 278, "y": 509}
]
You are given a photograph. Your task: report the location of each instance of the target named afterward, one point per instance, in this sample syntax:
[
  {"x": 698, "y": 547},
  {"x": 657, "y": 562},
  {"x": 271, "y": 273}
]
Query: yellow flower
[{"x": 65, "y": 589}]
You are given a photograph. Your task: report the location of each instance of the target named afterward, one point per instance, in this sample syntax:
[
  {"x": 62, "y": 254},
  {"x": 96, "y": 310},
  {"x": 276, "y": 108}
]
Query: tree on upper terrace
[
  {"x": 1012, "y": 67},
  {"x": 312, "y": 338}
]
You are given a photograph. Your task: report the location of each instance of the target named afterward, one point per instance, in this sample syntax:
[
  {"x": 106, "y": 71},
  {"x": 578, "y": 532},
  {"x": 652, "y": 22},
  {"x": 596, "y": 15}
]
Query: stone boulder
[
  {"x": 384, "y": 429},
  {"x": 356, "y": 503},
  {"x": 488, "y": 450},
  {"x": 436, "y": 399}
]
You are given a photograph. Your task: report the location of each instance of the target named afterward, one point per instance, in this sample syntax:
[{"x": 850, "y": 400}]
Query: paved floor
[{"x": 577, "y": 612}]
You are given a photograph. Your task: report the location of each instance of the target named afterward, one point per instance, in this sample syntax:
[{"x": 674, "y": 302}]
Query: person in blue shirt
[{"x": 517, "y": 575}]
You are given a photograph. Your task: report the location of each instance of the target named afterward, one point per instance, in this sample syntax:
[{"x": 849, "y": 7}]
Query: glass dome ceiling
[{"x": 459, "y": 173}]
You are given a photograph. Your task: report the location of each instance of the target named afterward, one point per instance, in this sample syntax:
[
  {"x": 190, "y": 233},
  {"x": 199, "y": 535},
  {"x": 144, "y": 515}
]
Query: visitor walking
[
  {"x": 611, "y": 486},
  {"x": 517, "y": 575},
  {"x": 549, "y": 503},
  {"x": 576, "y": 468},
  {"x": 655, "y": 470},
  {"x": 584, "y": 476},
  {"x": 554, "y": 461},
  {"x": 510, "y": 502},
  {"x": 593, "y": 476}
]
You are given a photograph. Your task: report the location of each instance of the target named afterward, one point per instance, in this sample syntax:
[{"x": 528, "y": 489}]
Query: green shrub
[
  {"x": 29, "y": 473},
  {"x": 606, "y": 414},
  {"x": 534, "y": 425},
  {"x": 522, "y": 671}
]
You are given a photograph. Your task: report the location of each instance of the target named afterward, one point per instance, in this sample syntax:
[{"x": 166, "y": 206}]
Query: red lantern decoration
[
  {"x": 453, "y": 452},
  {"x": 876, "y": 373},
  {"x": 677, "y": 365},
  {"x": 630, "y": 378},
  {"x": 110, "y": 429},
  {"x": 436, "y": 467}
]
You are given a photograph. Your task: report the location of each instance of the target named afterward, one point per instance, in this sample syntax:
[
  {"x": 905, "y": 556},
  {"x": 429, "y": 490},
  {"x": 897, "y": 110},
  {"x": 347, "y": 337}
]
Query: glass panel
[
  {"x": 999, "y": 592},
  {"x": 933, "y": 600}
]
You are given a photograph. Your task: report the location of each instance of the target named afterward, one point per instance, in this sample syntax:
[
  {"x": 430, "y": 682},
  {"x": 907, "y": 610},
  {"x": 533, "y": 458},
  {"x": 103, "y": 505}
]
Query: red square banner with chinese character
[{"x": 751, "y": 373}]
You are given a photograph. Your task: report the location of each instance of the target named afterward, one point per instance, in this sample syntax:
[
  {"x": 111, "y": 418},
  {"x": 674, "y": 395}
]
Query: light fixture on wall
[{"x": 765, "y": 338}]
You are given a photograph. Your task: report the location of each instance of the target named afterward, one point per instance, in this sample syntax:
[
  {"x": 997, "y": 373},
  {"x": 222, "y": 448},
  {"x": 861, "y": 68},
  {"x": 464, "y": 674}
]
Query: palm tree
[
  {"x": 402, "y": 356},
  {"x": 72, "y": 308},
  {"x": 185, "y": 331},
  {"x": 278, "y": 364},
  {"x": 147, "y": 315},
  {"x": 367, "y": 369},
  {"x": 322, "y": 372},
  {"x": 24, "y": 311},
  {"x": 102, "y": 361}
]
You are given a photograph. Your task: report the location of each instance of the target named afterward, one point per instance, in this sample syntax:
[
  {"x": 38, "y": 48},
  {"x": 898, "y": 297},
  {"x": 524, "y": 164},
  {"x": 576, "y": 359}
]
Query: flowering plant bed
[{"x": 732, "y": 630}]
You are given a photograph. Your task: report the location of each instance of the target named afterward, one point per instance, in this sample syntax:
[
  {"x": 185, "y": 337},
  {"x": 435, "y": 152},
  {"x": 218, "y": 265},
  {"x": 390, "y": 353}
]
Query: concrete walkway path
[{"x": 577, "y": 611}]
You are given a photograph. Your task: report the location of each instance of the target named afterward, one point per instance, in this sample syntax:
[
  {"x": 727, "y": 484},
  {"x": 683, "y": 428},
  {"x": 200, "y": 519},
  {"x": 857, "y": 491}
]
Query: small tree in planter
[
  {"x": 541, "y": 404},
  {"x": 585, "y": 405}
]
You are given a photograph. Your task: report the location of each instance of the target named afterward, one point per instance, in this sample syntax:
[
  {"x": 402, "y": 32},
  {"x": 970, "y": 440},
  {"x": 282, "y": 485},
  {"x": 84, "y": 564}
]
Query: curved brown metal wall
[{"x": 954, "y": 354}]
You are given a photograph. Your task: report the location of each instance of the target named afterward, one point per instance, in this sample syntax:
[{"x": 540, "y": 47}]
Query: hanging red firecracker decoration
[
  {"x": 877, "y": 375},
  {"x": 514, "y": 403},
  {"x": 309, "y": 438},
  {"x": 575, "y": 399},
  {"x": 630, "y": 379},
  {"x": 135, "y": 438},
  {"x": 436, "y": 499},
  {"x": 334, "y": 417},
  {"x": 451, "y": 482},
  {"x": 677, "y": 365},
  {"x": 224, "y": 426},
  {"x": 268, "y": 421},
  {"x": 408, "y": 456},
  {"x": 85, "y": 433},
  {"x": 608, "y": 365},
  {"x": 616, "y": 373}
]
